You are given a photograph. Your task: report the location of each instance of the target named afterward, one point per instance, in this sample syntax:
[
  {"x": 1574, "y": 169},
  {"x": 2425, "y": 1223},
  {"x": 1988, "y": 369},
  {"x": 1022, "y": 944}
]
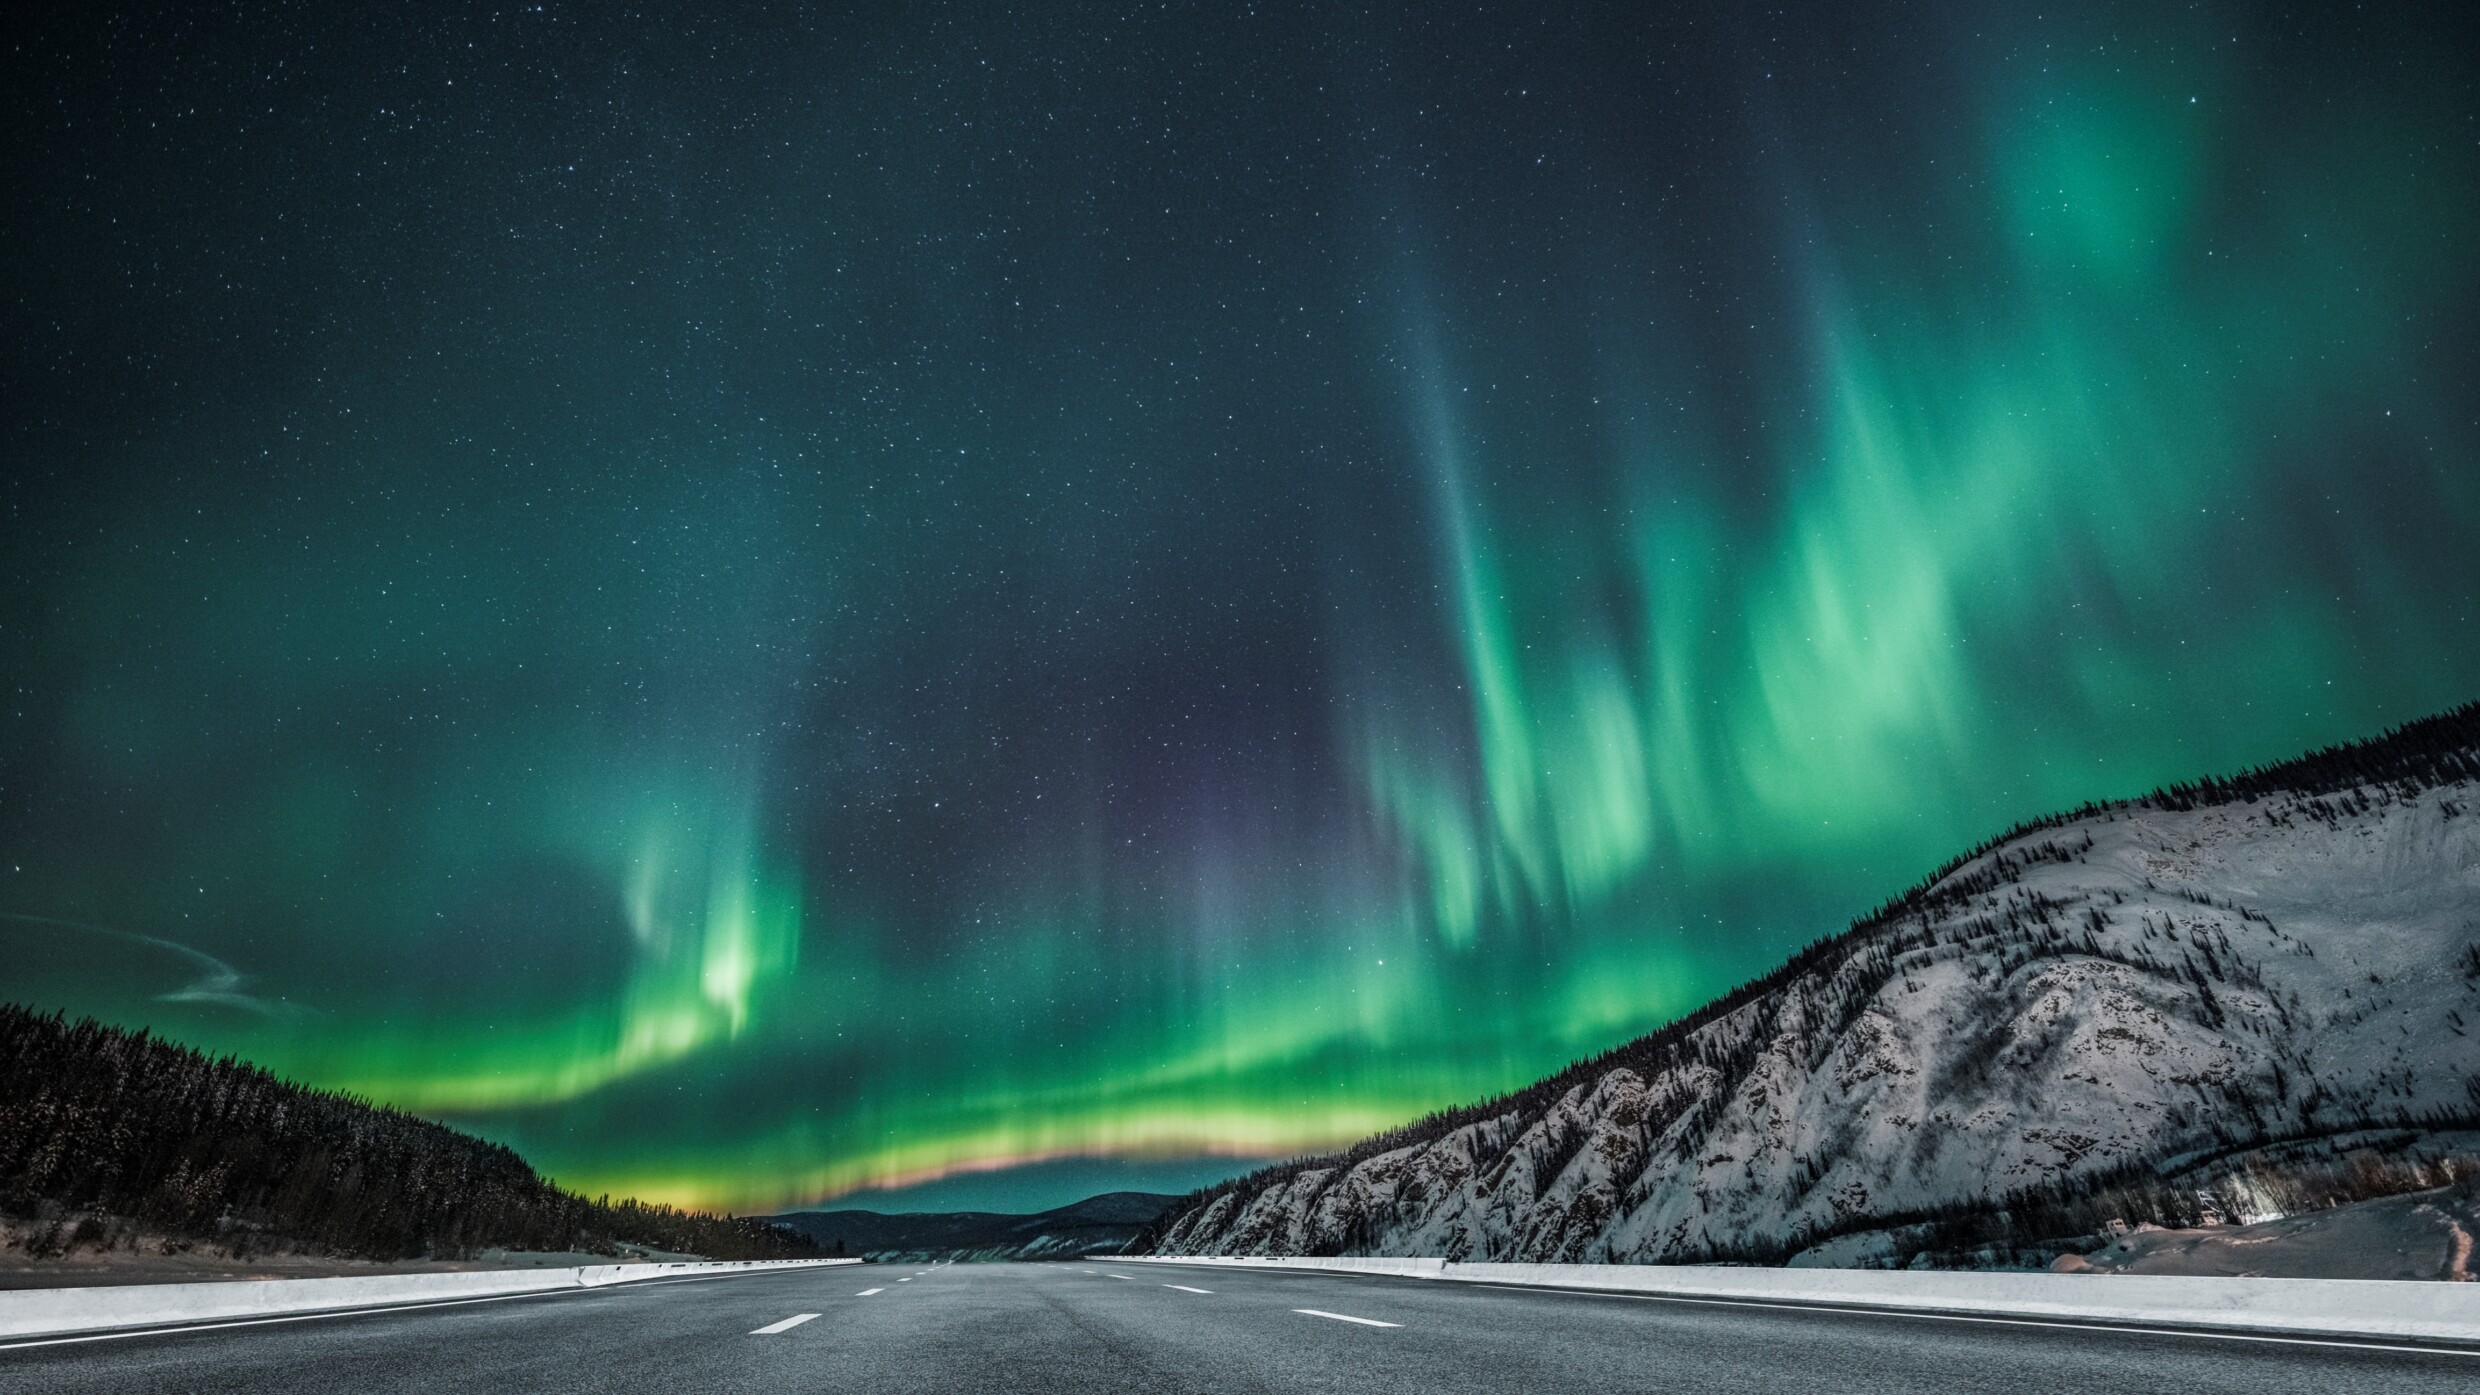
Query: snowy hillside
[{"x": 2128, "y": 989}]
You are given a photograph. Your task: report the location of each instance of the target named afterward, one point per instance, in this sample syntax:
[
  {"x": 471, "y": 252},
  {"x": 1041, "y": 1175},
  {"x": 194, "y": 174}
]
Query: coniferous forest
[{"x": 106, "y": 1133}]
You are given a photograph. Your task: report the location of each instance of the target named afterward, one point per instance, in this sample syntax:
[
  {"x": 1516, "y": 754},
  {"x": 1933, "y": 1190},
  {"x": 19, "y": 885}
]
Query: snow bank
[
  {"x": 61, "y": 1311},
  {"x": 2344, "y": 1308}
]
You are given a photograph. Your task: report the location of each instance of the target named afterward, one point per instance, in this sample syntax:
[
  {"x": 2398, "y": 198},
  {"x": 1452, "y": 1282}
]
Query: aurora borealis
[{"x": 764, "y": 605}]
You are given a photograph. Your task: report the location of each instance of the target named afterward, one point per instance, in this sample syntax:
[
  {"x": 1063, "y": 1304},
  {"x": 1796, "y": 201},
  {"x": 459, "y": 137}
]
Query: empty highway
[{"x": 1101, "y": 1326}]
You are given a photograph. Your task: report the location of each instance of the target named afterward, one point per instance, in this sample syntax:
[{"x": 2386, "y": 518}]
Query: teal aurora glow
[{"x": 763, "y": 606}]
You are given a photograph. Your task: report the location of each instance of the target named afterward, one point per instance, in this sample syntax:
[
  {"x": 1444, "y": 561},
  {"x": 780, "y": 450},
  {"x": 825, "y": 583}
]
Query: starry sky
[{"x": 957, "y": 605}]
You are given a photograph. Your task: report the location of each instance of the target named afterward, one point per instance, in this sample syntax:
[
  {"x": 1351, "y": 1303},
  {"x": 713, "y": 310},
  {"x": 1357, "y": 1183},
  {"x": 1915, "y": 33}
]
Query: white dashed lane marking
[
  {"x": 785, "y": 1326},
  {"x": 1346, "y": 1317},
  {"x": 868, "y": 1291},
  {"x": 1186, "y": 1289},
  {"x": 1109, "y": 1274}
]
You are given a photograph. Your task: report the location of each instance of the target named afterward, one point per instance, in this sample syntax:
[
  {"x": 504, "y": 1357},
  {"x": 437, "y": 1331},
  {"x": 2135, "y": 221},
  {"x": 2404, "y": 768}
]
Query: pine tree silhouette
[{"x": 100, "y": 1122}]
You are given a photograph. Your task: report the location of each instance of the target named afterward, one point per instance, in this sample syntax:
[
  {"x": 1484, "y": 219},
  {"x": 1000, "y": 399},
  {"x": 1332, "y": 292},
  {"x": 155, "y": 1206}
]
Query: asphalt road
[{"x": 1039, "y": 1328}]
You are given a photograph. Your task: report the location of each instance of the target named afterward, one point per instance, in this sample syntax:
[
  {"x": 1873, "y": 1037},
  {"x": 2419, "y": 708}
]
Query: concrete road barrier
[
  {"x": 53, "y": 1312},
  {"x": 2346, "y": 1308}
]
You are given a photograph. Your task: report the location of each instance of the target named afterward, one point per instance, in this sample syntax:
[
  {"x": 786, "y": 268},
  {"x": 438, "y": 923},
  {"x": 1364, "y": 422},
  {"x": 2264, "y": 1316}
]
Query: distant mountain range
[
  {"x": 1097, "y": 1225},
  {"x": 2220, "y": 1002}
]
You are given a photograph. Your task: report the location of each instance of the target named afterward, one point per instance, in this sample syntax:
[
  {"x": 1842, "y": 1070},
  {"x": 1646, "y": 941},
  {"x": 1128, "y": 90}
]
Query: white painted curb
[
  {"x": 2405, "y": 1310},
  {"x": 53, "y": 1312}
]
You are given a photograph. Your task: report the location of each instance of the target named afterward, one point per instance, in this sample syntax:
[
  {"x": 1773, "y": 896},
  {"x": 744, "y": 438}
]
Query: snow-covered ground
[
  {"x": 2138, "y": 985},
  {"x": 2419, "y": 1235}
]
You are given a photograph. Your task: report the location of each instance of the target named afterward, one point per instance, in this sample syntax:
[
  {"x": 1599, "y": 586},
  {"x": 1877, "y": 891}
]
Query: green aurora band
[{"x": 740, "y": 801}]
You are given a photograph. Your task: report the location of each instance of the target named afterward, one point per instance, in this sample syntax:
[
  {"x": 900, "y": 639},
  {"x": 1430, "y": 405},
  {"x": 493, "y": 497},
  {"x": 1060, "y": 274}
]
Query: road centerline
[
  {"x": 785, "y": 1326},
  {"x": 1344, "y": 1317}
]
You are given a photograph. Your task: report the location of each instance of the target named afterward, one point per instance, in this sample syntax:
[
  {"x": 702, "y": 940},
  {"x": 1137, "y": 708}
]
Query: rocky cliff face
[{"x": 2133, "y": 987}]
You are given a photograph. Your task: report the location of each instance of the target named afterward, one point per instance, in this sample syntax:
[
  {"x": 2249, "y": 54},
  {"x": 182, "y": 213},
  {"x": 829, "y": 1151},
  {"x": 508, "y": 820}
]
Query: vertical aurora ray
[
  {"x": 711, "y": 929},
  {"x": 1987, "y": 461},
  {"x": 931, "y": 641}
]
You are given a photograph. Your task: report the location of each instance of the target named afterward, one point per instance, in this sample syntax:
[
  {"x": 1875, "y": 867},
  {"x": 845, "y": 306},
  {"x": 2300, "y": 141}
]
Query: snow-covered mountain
[{"x": 2127, "y": 990}]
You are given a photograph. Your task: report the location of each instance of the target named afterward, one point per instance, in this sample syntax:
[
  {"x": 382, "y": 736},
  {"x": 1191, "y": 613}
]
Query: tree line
[{"x": 103, "y": 1130}]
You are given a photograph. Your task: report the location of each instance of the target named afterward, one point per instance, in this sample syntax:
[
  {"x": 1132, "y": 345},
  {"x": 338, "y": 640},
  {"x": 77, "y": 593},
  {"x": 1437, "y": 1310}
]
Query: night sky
[{"x": 795, "y": 604}]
